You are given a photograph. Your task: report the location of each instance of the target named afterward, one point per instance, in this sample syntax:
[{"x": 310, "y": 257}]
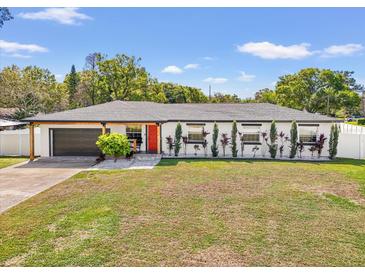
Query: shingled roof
[{"x": 131, "y": 111}]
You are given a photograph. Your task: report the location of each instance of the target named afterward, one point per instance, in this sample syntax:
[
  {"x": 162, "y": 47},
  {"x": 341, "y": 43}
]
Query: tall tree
[
  {"x": 5, "y": 15},
  {"x": 72, "y": 82},
  {"x": 320, "y": 90},
  {"x": 31, "y": 90}
]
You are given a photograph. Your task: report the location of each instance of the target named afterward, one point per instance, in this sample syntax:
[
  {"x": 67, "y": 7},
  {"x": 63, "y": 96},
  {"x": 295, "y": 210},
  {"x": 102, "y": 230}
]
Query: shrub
[
  {"x": 214, "y": 146},
  {"x": 283, "y": 140},
  {"x": 300, "y": 147},
  {"x": 177, "y": 143},
  {"x": 333, "y": 142},
  {"x": 273, "y": 147},
  {"x": 293, "y": 139},
  {"x": 234, "y": 139},
  {"x": 114, "y": 144},
  {"x": 361, "y": 121},
  {"x": 196, "y": 148}
]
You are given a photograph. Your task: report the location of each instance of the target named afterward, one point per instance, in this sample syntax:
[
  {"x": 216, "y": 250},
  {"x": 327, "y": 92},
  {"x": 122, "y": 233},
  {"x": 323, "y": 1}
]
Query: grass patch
[
  {"x": 195, "y": 213},
  {"x": 6, "y": 161}
]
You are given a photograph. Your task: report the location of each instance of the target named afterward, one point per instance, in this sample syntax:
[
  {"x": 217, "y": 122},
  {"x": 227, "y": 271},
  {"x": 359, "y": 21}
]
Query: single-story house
[{"x": 148, "y": 124}]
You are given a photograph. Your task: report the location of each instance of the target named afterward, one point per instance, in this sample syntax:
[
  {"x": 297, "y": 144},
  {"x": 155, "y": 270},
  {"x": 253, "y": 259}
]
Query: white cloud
[
  {"x": 172, "y": 69},
  {"x": 244, "y": 77},
  {"x": 191, "y": 66},
  {"x": 20, "y": 56},
  {"x": 342, "y": 50},
  {"x": 15, "y": 49},
  {"x": 66, "y": 16},
  {"x": 217, "y": 80},
  {"x": 208, "y": 58},
  {"x": 267, "y": 50}
]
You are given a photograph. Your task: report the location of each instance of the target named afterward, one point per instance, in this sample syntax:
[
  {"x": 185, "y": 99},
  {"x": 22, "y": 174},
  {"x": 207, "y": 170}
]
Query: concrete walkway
[{"x": 24, "y": 180}]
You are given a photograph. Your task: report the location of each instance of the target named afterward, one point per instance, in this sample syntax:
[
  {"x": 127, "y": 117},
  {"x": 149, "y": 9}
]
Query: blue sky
[{"x": 236, "y": 50}]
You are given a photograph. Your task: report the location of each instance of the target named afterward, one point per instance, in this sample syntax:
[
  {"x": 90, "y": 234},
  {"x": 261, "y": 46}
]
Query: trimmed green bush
[
  {"x": 293, "y": 139},
  {"x": 178, "y": 135},
  {"x": 114, "y": 144},
  {"x": 273, "y": 147},
  {"x": 214, "y": 146},
  {"x": 333, "y": 142},
  {"x": 361, "y": 121},
  {"x": 234, "y": 139}
]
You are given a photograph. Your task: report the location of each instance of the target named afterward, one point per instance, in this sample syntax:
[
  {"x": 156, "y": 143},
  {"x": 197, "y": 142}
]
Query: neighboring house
[
  {"x": 74, "y": 132},
  {"x": 6, "y": 119}
]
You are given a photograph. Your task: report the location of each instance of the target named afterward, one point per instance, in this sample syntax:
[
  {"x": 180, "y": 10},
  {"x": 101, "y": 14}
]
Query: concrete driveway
[{"x": 21, "y": 181}]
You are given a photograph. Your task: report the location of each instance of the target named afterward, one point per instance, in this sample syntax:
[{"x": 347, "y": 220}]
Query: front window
[
  {"x": 251, "y": 133},
  {"x": 308, "y": 133},
  {"x": 134, "y": 132},
  {"x": 195, "y": 133}
]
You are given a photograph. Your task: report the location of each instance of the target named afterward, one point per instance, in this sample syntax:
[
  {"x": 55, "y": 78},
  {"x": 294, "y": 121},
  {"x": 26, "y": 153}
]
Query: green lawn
[
  {"x": 195, "y": 213},
  {"x": 8, "y": 161}
]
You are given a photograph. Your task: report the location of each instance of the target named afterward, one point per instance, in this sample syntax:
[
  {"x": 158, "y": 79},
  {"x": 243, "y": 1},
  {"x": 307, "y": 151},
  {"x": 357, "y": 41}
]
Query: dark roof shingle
[{"x": 132, "y": 111}]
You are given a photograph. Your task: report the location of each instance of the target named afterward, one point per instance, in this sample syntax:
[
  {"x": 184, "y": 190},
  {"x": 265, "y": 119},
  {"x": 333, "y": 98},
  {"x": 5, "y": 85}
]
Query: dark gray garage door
[{"x": 75, "y": 141}]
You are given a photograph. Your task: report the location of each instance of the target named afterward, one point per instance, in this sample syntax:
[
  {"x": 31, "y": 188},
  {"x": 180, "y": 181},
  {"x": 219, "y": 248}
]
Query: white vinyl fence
[
  {"x": 16, "y": 142},
  {"x": 351, "y": 142}
]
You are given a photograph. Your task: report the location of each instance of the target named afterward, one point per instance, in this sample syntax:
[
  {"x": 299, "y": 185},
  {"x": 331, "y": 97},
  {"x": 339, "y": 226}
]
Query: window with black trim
[
  {"x": 251, "y": 133},
  {"x": 134, "y": 132},
  {"x": 195, "y": 133},
  {"x": 308, "y": 133}
]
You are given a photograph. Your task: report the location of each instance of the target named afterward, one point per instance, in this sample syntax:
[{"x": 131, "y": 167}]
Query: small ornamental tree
[
  {"x": 300, "y": 147},
  {"x": 234, "y": 139},
  {"x": 242, "y": 142},
  {"x": 177, "y": 143},
  {"x": 293, "y": 139},
  {"x": 263, "y": 148},
  {"x": 185, "y": 142},
  {"x": 170, "y": 144},
  {"x": 205, "y": 142},
  {"x": 320, "y": 144},
  {"x": 224, "y": 142},
  {"x": 333, "y": 142},
  {"x": 283, "y": 140},
  {"x": 273, "y": 146},
  {"x": 114, "y": 144},
  {"x": 214, "y": 146},
  {"x": 196, "y": 148},
  {"x": 254, "y": 150}
]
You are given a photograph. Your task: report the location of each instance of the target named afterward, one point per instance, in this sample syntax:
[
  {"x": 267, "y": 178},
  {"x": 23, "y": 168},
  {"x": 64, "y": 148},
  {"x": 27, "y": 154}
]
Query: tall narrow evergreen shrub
[
  {"x": 178, "y": 134},
  {"x": 333, "y": 142},
  {"x": 273, "y": 147},
  {"x": 214, "y": 146},
  {"x": 293, "y": 139},
  {"x": 234, "y": 139}
]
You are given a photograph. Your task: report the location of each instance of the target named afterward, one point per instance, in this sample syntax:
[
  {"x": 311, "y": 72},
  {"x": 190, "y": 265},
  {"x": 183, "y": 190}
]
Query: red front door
[{"x": 152, "y": 138}]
